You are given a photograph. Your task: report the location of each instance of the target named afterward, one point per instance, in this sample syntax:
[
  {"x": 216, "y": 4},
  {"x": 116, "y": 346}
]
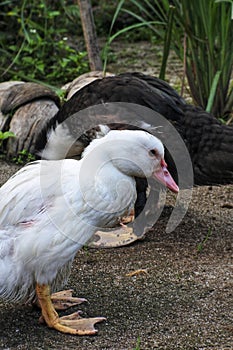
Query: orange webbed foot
[{"x": 70, "y": 324}]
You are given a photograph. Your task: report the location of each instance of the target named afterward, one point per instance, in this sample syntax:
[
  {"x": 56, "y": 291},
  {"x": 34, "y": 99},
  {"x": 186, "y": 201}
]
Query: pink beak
[{"x": 164, "y": 177}]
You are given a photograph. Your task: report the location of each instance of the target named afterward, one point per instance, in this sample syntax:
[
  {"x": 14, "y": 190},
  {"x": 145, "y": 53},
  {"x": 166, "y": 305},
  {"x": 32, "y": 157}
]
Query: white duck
[{"x": 50, "y": 209}]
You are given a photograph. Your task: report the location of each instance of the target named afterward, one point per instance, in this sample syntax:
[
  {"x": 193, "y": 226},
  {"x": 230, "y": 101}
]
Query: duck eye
[{"x": 153, "y": 153}]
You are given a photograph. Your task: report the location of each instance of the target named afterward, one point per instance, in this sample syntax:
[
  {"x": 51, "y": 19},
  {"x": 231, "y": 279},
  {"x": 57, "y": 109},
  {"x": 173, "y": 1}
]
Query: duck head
[{"x": 136, "y": 153}]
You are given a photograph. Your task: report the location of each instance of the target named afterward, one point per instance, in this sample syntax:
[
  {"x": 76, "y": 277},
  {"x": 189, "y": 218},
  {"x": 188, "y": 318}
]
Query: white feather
[
  {"x": 50, "y": 209},
  {"x": 59, "y": 143}
]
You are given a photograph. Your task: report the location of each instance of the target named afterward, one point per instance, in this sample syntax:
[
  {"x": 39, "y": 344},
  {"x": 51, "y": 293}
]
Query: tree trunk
[{"x": 89, "y": 32}]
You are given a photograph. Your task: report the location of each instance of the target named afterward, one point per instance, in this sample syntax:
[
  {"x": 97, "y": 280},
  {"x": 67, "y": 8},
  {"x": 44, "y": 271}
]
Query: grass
[
  {"x": 201, "y": 245},
  {"x": 138, "y": 344},
  {"x": 201, "y": 34}
]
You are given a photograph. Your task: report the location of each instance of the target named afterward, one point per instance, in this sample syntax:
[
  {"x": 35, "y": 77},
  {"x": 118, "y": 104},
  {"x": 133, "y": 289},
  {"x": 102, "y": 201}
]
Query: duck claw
[
  {"x": 63, "y": 300},
  {"x": 83, "y": 326}
]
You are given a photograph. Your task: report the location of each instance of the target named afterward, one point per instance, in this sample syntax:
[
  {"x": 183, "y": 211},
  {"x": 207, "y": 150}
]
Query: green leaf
[
  {"x": 5, "y": 135},
  {"x": 213, "y": 91}
]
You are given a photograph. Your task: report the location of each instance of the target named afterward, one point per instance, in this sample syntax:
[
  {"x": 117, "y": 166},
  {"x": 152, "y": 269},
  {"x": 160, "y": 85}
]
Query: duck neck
[{"x": 108, "y": 191}]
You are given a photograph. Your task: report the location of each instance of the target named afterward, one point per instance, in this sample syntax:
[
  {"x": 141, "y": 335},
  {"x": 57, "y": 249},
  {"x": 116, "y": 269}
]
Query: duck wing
[{"x": 34, "y": 188}]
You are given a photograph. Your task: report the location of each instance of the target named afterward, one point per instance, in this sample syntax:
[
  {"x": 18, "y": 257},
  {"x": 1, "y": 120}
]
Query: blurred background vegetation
[
  {"x": 35, "y": 41},
  {"x": 41, "y": 41}
]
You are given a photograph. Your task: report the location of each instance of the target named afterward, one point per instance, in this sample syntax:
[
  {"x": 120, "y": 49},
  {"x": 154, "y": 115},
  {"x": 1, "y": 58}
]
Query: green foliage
[
  {"x": 23, "y": 157},
  {"x": 206, "y": 27},
  {"x": 113, "y": 35},
  {"x": 103, "y": 13},
  {"x": 138, "y": 344},
  {"x": 201, "y": 245},
  {"x": 35, "y": 41},
  {"x": 201, "y": 33},
  {"x": 4, "y": 136}
]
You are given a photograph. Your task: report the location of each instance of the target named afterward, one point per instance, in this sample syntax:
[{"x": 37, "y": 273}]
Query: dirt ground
[{"x": 184, "y": 300}]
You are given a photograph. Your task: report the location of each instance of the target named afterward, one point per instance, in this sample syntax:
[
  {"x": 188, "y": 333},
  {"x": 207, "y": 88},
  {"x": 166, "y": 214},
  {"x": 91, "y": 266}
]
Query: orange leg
[{"x": 71, "y": 324}]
